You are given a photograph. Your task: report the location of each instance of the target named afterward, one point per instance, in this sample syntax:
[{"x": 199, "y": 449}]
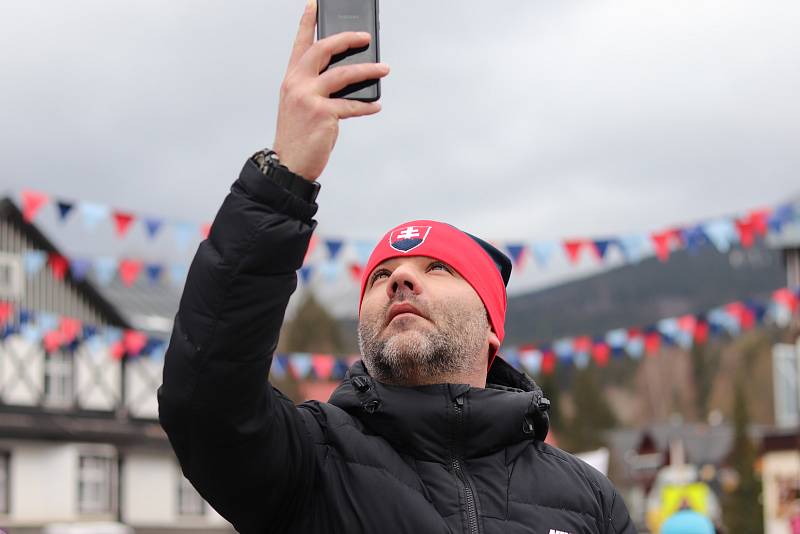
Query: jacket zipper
[{"x": 469, "y": 494}]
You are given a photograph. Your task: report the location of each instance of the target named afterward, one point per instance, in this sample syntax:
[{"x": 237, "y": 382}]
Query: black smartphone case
[{"x": 367, "y": 91}]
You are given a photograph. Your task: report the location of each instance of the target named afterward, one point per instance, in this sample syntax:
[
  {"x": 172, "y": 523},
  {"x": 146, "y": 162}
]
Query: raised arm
[{"x": 241, "y": 443}]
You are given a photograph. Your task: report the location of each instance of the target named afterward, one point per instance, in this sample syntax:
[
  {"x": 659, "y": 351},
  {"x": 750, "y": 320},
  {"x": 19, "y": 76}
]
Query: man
[{"x": 419, "y": 437}]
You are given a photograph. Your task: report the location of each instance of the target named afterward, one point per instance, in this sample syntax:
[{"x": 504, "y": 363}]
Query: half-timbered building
[{"x": 79, "y": 435}]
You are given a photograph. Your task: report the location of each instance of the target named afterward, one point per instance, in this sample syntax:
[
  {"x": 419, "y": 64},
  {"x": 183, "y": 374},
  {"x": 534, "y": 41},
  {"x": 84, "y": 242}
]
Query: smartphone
[{"x": 336, "y": 16}]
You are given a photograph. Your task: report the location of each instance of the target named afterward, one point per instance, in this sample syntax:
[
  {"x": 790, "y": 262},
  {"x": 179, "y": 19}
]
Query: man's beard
[{"x": 452, "y": 346}]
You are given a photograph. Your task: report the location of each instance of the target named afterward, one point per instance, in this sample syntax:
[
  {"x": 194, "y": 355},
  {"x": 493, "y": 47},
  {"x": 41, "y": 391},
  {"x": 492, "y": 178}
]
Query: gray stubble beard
[{"x": 416, "y": 357}]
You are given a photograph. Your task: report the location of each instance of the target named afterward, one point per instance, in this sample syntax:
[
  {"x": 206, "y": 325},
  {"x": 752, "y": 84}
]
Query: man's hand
[{"x": 308, "y": 119}]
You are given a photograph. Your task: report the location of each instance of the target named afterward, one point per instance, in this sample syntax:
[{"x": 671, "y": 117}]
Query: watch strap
[{"x": 271, "y": 167}]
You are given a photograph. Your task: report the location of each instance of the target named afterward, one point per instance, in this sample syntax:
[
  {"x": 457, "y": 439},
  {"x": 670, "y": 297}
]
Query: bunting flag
[
  {"x": 79, "y": 267},
  {"x": 721, "y": 232},
  {"x": 54, "y": 332},
  {"x": 129, "y": 271},
  {"x": 205, "y": 230},
  {"x": 516, "y": 251},
  {"x": 543, "y": 251},
  {"x": 32, "y": 202},
  {"x": 64, "y": 209},
  {"x": 333, "y": 246},
  {"x": 6, "y": 311},
  {"x": 601, "y": 247},
  {"x": 152, "y": 226},
  {"x": 573, "y": 249},
  {"x": 92, "y": 214},
  {"x": 58, "y": 265},
  {"x": 154, "y": 271},
  {"x": 122, "y": 222},
  {"x": 33, "y": 261}
]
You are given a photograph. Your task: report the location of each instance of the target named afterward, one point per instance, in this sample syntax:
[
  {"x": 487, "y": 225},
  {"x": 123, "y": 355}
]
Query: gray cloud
[{"x": 516, "y": 120}]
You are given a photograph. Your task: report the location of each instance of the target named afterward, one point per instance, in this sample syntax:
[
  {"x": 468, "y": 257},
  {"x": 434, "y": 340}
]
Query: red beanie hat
[{"x": 484, "y": 267}]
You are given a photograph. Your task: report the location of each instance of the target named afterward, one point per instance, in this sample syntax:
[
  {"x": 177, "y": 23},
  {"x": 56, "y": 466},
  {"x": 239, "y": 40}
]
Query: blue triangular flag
[
  {"x": 695, "y": 238},
  {"x": 363, "y": 251},
  {"x": 333, "y": 246},
  {"x": 515, "y": 250},
  {"x": 32, "y": 332},
  {"x": 543, "y": 251},
  {"x": 601, "y": 246},
  {"x": 154, "y": 271},
  {"x": 152, "y": 226},
  {"x": 185, "y": 233},
  {"x": 330, "y": 270},
  {"x": 48, "y": 321},
  {"x": 26, "y": 316},
  {"x": 178, "y": 273},
  {"x": 721, "y": 232},
  {"x": 105, "y": 268},
  {"x": 64, "y": 209},
  {"x": 780, "y": 216},
  {"x": 33, "y": 260},
  {"x": 305, "y": 273},
  {"x": 634, "y": 247},
  {"x": 79, "y": 267},
  {"x": 277, "y": 369},
  {"x": 301, "y": 363},
  {"x": 92, "y": 214}
]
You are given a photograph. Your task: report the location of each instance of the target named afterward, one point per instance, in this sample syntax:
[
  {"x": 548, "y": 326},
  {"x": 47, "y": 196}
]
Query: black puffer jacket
[{"x": 375, "y": 459}]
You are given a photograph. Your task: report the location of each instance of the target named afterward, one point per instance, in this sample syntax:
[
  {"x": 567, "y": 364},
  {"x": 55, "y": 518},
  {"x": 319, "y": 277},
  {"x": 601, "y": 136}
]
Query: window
[
  {"x": 5, "y": 482},
  {"x": 190, "y": 503},
  {"x": 11, "y": 281},
  {"x": 97, "y": 477},
  {"x": 58, "y": 379}
]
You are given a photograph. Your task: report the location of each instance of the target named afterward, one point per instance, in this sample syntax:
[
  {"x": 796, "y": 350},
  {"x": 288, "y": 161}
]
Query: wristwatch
[{"x": 269, "y": 164}]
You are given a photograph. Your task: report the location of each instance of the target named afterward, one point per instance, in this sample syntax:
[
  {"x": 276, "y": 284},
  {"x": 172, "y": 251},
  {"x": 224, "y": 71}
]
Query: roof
[
  {"x": 11, "y": 213},
  {"x": 150, "y": 307}
]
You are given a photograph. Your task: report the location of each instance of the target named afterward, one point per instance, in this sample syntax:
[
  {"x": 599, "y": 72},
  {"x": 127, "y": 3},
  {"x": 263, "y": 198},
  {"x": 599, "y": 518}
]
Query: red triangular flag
[
  {"x": 652, "y": 342},
  {"x": 52, "y": 341},
  {"x": 760, "y": 221},
  {"x": 582, "y": 344},
  {"x": 69, "y": 328},
  {"x": 701, "y": 332},
  {"x": 687, "y": 323},
  {"x": 661, "y": 242},
  {"x": 129, "y": 271},
  {"x": 122, "y": 221},
  {"x": 573, "y": 249},
  {"x": 6, "y": 310},
  {"x": 548, "y": 362},
  {"x": 32, "y": 202},
  {"x": 323, "y": 365},
  {"x": 117, "y": 350},
  {"x": 785, "y": 297},
  {"x": 133, "y": 341},
  {"x": 58, "y": 265},
  {"x": 601, "y": 352},
  {"x": 205, "y": 230},
  {"x": 356, "y": 271},
  {"x": 747, "y": 231},
  {"x": 312, "y": 244}
]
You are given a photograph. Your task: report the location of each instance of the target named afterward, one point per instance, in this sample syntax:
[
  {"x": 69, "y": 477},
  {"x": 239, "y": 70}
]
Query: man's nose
[{"x": 403, "y": 278}]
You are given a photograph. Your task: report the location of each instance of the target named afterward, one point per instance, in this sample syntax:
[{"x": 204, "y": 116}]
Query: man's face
[{"x": 421, "y": 322}]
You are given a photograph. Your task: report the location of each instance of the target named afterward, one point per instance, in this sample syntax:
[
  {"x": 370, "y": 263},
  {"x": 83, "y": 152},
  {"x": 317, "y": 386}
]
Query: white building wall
[
  {"x": 98, "y": 378},
  {"x": 150, "y": 494},
  {"x": 142, "y": 378},
  {"x": 43, "y": 484},
  {"x": 21, "y": 371}
]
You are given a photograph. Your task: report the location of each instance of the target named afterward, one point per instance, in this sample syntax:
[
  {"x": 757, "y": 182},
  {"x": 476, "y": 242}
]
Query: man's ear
[{"x": 494, "y": 344}]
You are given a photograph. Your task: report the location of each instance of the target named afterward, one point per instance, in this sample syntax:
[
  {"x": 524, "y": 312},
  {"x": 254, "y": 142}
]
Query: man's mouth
[{"x": 402, "y": 308}]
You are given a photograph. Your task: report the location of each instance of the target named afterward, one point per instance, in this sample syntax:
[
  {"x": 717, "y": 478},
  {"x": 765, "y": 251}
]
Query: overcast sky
[{"x": 513, "y": 120}]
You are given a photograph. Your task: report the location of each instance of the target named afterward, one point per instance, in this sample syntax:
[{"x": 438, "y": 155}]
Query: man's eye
[
  {"x": 439, "y": 265},
  {"x": 379, "y": 274}
]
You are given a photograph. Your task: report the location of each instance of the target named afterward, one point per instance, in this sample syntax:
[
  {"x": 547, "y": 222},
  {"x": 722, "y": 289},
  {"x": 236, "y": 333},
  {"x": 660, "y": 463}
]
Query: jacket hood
[{"x": 436, "y": 422}]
